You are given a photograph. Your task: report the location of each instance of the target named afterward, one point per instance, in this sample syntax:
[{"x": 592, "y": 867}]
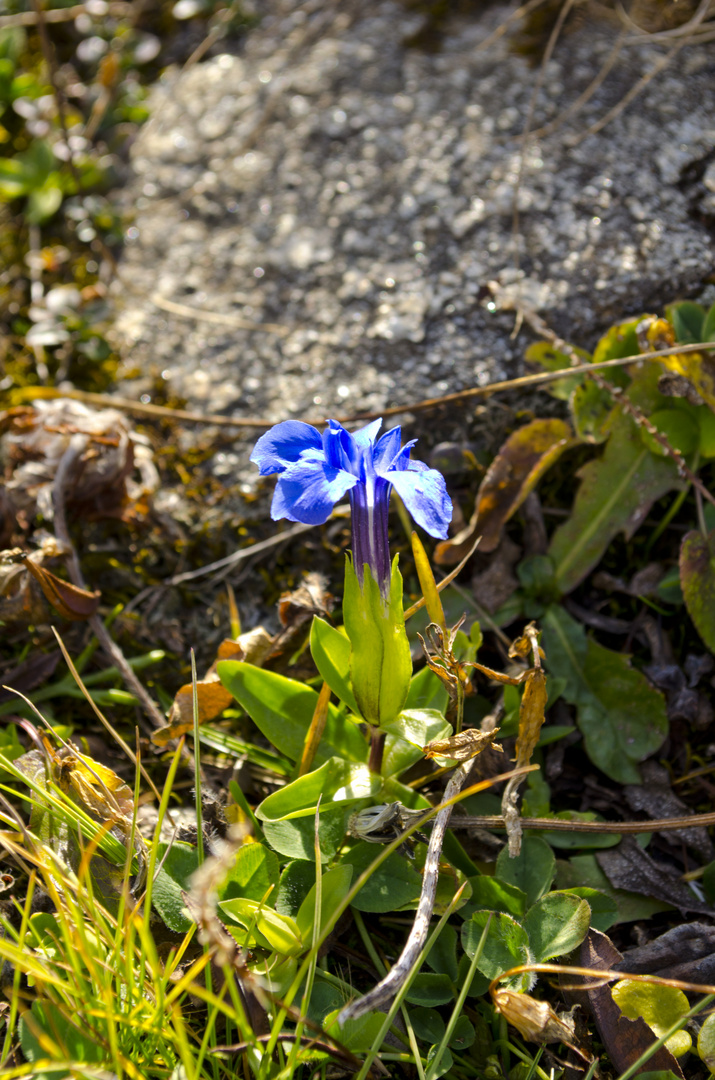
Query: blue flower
[{"x": 316, "y": 471}]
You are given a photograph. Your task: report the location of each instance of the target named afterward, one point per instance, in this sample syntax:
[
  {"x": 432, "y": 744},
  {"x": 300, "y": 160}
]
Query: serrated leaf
[
  {"x": 697, "y": 578},
  {"x": 556, "y": 924},
  {"x": 622, "y": 717}
]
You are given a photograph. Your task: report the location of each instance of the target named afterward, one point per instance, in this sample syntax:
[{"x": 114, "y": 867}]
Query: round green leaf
[
  {"x": 463, "y": 1035},
  {"x": 556, "y": 924},
  {"x": 506, "y": 946},
  {"x": 659, "y": 1006},
  {"x": 706, "y": 1042},
  {"x": 428, "y": 1025},
  {"x": 532, "y": 870}
]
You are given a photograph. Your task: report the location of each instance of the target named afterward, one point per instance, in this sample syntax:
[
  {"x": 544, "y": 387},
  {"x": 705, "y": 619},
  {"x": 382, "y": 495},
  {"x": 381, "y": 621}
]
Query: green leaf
[
  {"x": 660, "y": 1007},
  {"x": 337, "y": 781},
  {"x": 532, "y": 871},
  {"x": 265, "y": 927},
  {"x": 463, "y": 1034},
  {"x": 335, "y": 885},
  {"x": 620, "y": 340},
  {"x": 604, "y": 909},
  {"x": 543, "y": 353},
  {"x": 688, "y": 320},
  {"x": 452, "y": 849},
  {"x": 283, "y": 708},
  {"x": 331, "y": 654},
  {"x": 426, "y": 692},
  {"x": 622, "y": 717},
  {"x": 697, "y": 578},
  {"x": 429, "y": 989},
  {"x": 14, "y": 179},
  {"x": 407, "y": 735},
  {"x": 506, "y": 946},
  {"x": 70, "y": 1032},
  {"x": 556, "y": 924},
  {"x": 295, "y": 839},
  {"x": 428, "y": 1025},
  {"x": 708, "y": 327},
  {"x": 592, "y": 409},
  {"x": 295, "y": 883},
  {"x": 706, "y": 420},
  {"x": 442, "y": 957},
  {"x": 380, "y": 659},
  {"x": 706, "y": 1037},
  {"x": 43, "y": 203},
  {"x": 678, "y": 426},
  {"x": 357, "y": 1035},
  {"x": 393, "y": 885},
  {"x": 443, "y": 1066},
  {"x": 255, "y": 869},
  {"x": 490, "y": 894},
  {"x": 173, "y": 879},
  {"x": 616, "y": 491}
]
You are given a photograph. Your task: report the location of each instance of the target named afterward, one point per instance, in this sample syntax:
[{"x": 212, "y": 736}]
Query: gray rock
[{"x": 359, "y": 193}]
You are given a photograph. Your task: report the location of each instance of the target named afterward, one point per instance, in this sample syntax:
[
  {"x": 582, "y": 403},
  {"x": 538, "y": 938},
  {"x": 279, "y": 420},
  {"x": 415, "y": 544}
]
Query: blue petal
[
  {"x": 339, "y": 447},
  {"x": 386, "y": 449},
  {"x": 308, "y": 490},
  {"x": 365, "y": 436},
  {"x": 424, "y": 493},
  {"x": 283, "y": 445}
]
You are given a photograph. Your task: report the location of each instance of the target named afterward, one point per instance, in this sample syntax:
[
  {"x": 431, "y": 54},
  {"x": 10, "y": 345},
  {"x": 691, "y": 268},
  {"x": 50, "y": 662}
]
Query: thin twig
[
  {"x": 59, "y": 15},
  {"x": 68, "y": 461},
  {"x": 496, "y": 821},
  {"x": 390, "y": 985},
  {"x": 539, "y": 378},
  {"x": 187, "y": 312}
]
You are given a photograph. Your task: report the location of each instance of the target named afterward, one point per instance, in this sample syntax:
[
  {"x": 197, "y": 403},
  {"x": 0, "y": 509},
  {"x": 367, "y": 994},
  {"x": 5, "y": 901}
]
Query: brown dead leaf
[
  {"x": 252, "y": 647},
  {"x": 625, "y": 1040},
  {"x": 531, "y": 715},
  {"x": 629, "y": 867},
  {"x": 685, "y": 952},
  {"x": 464, "y": 746},
  {"x": 535, "y": 1020},
  {"x": 515, "y": 471},
  {"x": 69, "y": 600}
]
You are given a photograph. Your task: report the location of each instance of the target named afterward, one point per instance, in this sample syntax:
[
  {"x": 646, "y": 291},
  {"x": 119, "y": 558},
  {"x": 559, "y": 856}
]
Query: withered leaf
[
  {"x": 625, "y": 1040},
  {"x": 531, "y": 715},
  {"x": 467, "y": 744},
  {"x": 69, "y": 600},
  {"x": 629, "y": 867},
  {"x": 515, "y": 471},
  {"x": 252, "y": 647},
  {"x": 535, "y": 1020},
  {"x": 684, "y": 952}
]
